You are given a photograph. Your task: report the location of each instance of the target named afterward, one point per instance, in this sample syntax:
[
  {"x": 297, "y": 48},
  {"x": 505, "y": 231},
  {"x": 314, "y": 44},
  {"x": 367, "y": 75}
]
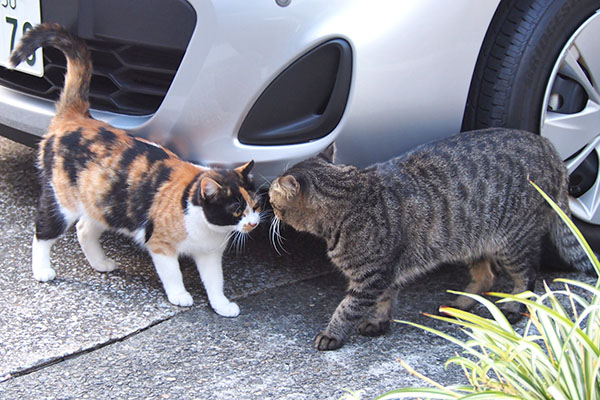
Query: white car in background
[{"x": 222, "y": 82}]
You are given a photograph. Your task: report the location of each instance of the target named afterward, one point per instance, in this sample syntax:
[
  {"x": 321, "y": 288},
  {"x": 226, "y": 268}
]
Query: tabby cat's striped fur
[
  {"x": 103, "y": 178},
  {"x": 463, "y": 199}
]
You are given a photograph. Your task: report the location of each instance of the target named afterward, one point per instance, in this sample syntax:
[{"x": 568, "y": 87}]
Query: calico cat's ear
[
  {"x": 209, "y": 187},
  {"x": 244, "y": 170},
  {"x": 289, "y": 186},
  {"x": 329, "y": 153}
]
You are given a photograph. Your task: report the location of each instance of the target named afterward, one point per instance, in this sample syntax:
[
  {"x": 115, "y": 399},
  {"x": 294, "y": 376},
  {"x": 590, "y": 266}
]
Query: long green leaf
[
  {"x": 590, "y": 288},
  {"x": 432, "y": 393},
  {"x": 490, "y": 395},
  {"x": 563, "y": 321}
]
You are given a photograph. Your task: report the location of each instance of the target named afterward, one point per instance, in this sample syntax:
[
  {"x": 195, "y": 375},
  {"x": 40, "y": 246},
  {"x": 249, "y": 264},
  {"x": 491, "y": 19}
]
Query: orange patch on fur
[
  {"x": 166, "y": 214},
  {"x": 249, "y": 200}
]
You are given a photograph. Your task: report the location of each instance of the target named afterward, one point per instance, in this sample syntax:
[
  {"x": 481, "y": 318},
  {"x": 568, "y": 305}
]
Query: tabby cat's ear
[
  {"x": 244, "y": 170},
  {"x": 329, "y": 153},
  {"x": 289, "y": 185},
  {"x": 209, "y": 187}
]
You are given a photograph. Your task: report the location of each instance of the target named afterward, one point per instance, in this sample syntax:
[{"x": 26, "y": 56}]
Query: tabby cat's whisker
[{"x": 275, "y": 236}]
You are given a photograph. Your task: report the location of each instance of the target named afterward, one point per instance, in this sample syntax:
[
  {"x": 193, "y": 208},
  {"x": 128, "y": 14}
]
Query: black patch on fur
[
  {"x": 116, "y": 198},
  {"x": 149, "y": 230},
  {"x": 49, "y": 222},
  {"x": 129, "y": 205},
  {"x": 186, "y": 193},
  {"x": 142, "y": 195},
  {"x": 107, "y": 137},
  {"x": 48, "y": 161},
  {"x": 152, "y": 153},
  {"x": 76, "y": 154},
  {"x": 218, "y": 208}
]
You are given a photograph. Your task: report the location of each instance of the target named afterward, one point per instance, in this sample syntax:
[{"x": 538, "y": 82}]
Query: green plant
[{"x": 556, "y": 357}]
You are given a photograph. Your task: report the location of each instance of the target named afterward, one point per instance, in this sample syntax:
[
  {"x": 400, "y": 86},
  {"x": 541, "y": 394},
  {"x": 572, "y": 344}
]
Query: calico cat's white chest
[{"x": 201, "y": 235}]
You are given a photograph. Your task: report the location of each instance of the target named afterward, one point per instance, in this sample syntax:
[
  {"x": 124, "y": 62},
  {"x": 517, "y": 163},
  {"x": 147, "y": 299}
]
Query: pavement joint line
[
  {"x": 57, "y": 360},
  {"x": 284, "y": 284}
]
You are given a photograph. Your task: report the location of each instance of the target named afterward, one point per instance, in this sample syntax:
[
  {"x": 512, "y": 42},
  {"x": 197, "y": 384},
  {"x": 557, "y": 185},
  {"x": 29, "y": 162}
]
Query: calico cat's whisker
[
  {"x": 238, "y": 241},
  {"x": 233, "y": 242},
  {"x": 264, "y": 215},
  {"x": 228, "y": 239},
  {"x": 266, "y": 182}
]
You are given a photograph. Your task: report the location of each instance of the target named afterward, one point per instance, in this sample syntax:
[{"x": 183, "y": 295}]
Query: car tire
[{"x": 516, "y": 68}]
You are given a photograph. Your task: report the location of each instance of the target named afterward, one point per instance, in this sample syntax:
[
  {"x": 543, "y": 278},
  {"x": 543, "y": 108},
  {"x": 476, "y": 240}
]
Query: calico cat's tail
[
  {"x": 569, "y": 248},
  {"x": 74, "y": 97}
]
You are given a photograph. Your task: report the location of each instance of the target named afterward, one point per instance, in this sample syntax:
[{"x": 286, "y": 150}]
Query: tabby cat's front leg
[{"x": 360, "y": 299}]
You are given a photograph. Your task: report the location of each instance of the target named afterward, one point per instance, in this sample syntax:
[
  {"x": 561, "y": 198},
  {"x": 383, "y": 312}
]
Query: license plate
[{"x": 16, "y": 17}]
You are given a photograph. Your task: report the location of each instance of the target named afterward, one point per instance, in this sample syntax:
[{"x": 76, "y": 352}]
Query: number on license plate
[{"x": 16, "y": 17}]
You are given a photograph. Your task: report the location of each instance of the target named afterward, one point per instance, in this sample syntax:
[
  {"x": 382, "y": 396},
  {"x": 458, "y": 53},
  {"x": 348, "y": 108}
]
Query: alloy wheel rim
[{"x": 576, "y": 132}]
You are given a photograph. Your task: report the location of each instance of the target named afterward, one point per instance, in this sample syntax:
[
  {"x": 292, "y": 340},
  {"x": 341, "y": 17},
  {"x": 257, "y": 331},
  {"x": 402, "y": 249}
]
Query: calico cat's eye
[{"x": 237, "y": 212}]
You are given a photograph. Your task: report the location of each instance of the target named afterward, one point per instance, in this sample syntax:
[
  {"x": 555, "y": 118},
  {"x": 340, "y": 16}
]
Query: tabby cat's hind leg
[
  {"x": 88, "y": 234},
  {"x": 51, "y": 222},
  {"x": 522, "y": 265},
  {"x": 482, "y": 280},
  {"x": 384, "y": 309}
]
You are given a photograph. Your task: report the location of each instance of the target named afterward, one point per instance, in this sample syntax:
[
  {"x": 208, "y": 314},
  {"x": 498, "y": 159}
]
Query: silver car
[{"x": 222, "y": 82}]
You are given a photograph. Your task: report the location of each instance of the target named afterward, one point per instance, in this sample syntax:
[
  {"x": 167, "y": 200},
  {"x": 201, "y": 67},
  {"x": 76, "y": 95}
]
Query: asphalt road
[{"x": 93, "y": 335}]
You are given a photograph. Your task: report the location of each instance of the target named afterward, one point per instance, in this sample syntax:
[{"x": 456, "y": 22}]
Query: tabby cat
[
  {"x": 103, "y": 178},
  {"x": 464, "y": 199}
]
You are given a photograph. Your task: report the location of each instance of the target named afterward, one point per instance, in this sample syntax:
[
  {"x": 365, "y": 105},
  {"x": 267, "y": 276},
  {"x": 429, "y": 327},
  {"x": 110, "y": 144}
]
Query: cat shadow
[{"x": 19, "y": 181}]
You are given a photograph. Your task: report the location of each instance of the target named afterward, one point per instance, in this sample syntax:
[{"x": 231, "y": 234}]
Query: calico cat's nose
[{"x": 252, "y": 224}]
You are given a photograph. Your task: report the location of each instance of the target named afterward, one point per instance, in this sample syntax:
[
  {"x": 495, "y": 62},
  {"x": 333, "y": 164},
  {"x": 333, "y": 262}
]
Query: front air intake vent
[{"x": 305, "y": 102}]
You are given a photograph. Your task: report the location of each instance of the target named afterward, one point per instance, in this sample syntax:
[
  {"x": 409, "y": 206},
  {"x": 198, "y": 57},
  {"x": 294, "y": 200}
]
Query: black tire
[
  {"x": 515, "y": 62},
  {"x": 514, "y": 66}
]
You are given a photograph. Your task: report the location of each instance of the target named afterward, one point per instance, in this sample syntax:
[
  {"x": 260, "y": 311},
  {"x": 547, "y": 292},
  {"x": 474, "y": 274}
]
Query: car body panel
[{"x": 410, "y": 57}]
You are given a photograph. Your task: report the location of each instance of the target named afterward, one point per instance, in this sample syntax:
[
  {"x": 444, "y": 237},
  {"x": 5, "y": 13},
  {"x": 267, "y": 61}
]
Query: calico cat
[
  {"x": 103, "y": 178},
  {"x": 464, "y": 199}
]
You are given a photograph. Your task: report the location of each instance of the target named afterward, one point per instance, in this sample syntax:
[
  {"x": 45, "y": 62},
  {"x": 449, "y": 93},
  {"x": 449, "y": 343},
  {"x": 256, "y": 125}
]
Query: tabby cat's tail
[
  {"x": 569, "y": 248},
  {"x": 74, "y": 97}
]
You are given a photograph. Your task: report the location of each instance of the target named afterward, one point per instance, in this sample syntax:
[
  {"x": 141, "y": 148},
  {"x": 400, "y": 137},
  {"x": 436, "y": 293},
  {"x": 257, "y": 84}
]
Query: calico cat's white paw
[
  {"x": 105, "y": 265},
  {"x": 183, "y": 299},
  {"x": 229, "y": 309},
  {"x": 44, "y": 274}
]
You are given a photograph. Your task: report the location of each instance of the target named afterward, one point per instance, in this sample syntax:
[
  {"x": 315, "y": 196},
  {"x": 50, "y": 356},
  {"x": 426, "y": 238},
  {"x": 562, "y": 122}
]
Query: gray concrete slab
[{"x": 265, "y": 353}]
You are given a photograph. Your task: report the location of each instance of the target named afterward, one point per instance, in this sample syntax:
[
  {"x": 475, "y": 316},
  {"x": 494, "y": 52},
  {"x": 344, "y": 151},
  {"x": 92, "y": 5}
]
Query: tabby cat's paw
[
  {"x": 228, "y": 310},
  {"x": 183, "y": 299},
  {"x": 374, "y": 328},
  {"x": 44, "y": 274},
  {"x": 325, "y": 342},
  {"x": 105, "y": 265}
]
